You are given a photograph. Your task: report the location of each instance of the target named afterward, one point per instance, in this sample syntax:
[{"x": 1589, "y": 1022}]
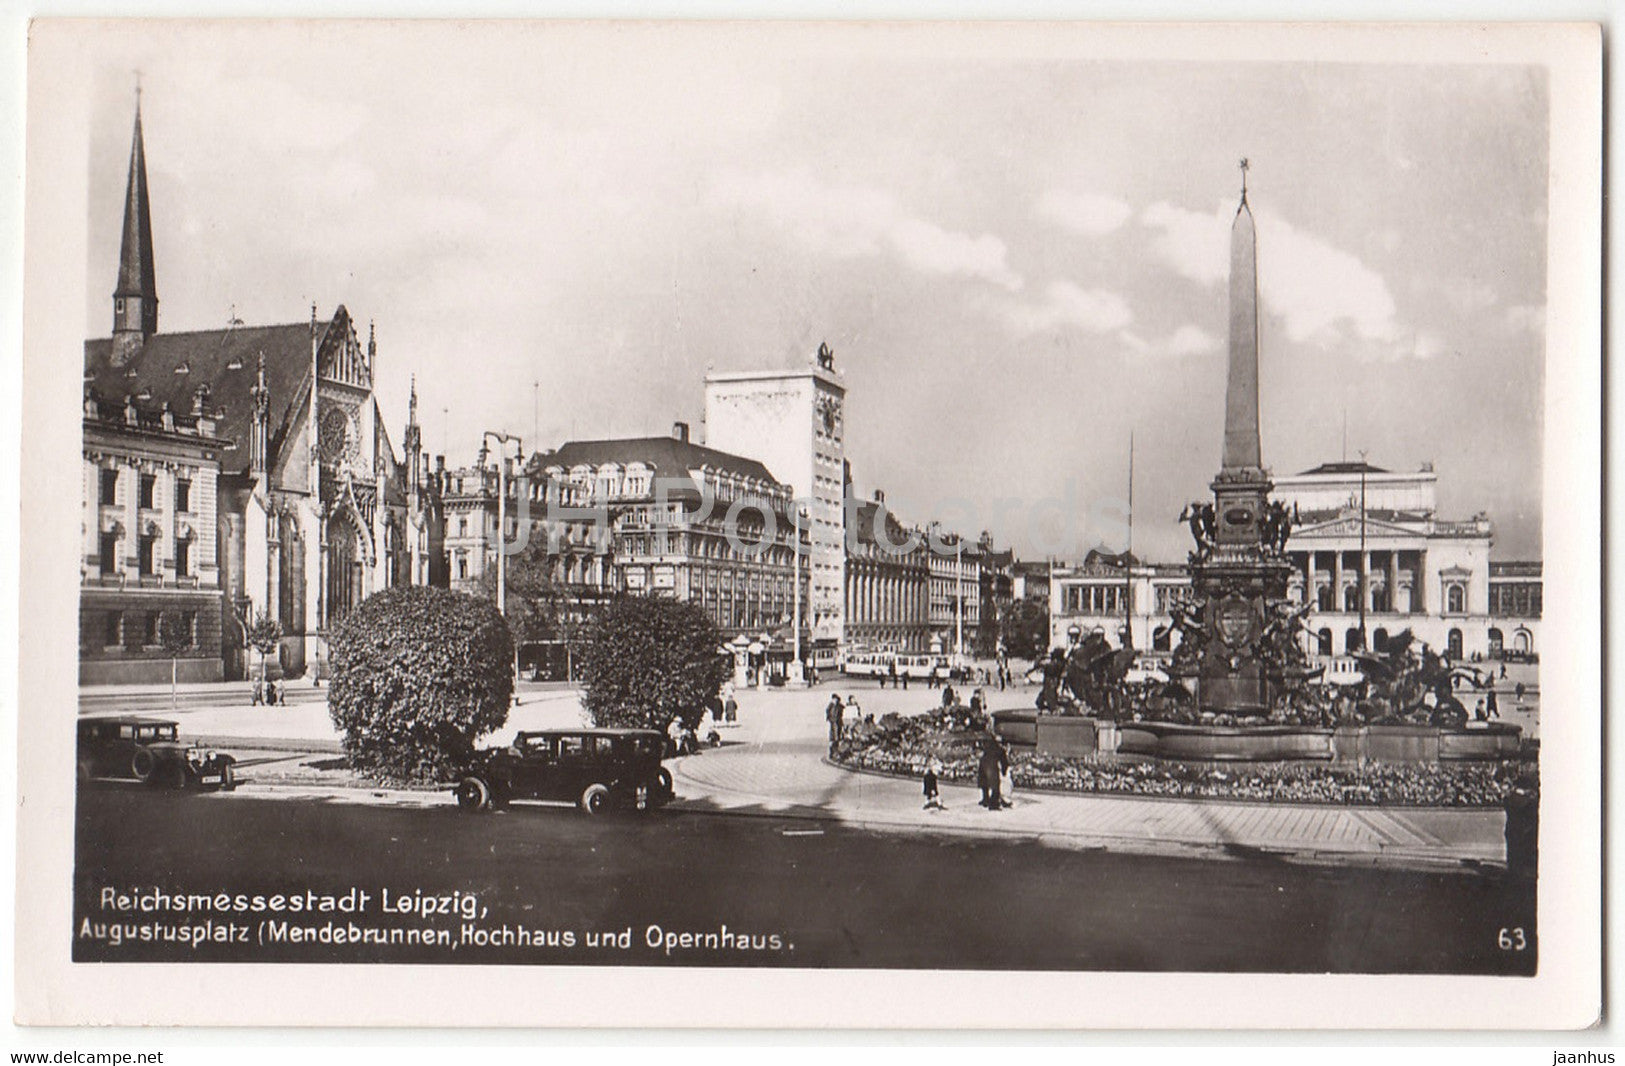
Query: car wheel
[
  {"x": 474, "y": 795},
  {"x": 173, "y": 777},
  {"x": 228, "y": 778},
  {"x": 595, "y": 800},
  {"x": 142, "y": 764},
  {"x": 663, "y": 780}
]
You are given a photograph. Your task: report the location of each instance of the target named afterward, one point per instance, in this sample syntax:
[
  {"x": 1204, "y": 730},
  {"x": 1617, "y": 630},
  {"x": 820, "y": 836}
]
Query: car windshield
[{"x": 155, "y": 732}]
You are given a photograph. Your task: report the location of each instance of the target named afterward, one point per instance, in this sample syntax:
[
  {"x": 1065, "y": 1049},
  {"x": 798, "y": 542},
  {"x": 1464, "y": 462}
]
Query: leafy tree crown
[
  {"x": 648, "y": 660},
  {"x": 419, "y": 674}
]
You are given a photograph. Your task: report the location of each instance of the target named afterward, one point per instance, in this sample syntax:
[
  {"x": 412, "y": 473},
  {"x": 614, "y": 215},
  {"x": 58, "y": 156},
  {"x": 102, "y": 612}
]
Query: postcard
[{"x": 1043, "y": 525}]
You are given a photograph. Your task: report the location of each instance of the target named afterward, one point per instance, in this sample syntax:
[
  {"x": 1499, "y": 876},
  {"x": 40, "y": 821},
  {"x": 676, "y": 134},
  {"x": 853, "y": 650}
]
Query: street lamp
[
  {"x": 795, "y": 579},
  {"x": 502, "y": 525}
]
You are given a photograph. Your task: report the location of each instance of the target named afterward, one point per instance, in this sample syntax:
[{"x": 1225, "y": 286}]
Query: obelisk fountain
[{"x": 1237, "y": 646}]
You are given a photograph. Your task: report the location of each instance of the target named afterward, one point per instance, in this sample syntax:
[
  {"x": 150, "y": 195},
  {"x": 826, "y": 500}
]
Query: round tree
[
  {"x": 418, "y": 675},
  {"x": 648, "y": 660}
]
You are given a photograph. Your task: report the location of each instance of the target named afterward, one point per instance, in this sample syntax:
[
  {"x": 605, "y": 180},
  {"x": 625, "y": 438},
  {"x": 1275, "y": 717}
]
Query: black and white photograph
[{"x": 1046, "y": 507}]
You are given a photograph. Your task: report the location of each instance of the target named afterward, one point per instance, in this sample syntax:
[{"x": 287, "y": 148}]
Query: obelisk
[
  {"x": 1239, "y": 577},
  {"x": 1241, "y": 448}
]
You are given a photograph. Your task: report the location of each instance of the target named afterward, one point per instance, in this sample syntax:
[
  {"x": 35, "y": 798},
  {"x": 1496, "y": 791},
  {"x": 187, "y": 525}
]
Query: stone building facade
[
  {"x": 150, "y": 505},
  {"x": 794, "y": 422},
  {"x": 312, "y": 508},
  {"x": 1414, "y": 571}
]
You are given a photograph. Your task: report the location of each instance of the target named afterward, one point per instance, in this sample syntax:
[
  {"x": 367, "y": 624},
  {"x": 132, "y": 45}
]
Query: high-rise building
[{"x": 793, "y": 422}]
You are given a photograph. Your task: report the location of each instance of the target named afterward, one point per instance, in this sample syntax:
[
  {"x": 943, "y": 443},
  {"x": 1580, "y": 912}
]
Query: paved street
[
  {"x": 834, "y": 895},
  {"x": 772, "y": 761}
]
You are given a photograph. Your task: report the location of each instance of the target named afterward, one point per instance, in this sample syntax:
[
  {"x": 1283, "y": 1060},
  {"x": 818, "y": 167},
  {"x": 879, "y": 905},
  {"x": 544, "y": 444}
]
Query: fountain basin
[{"x": 1067, "y": 736}]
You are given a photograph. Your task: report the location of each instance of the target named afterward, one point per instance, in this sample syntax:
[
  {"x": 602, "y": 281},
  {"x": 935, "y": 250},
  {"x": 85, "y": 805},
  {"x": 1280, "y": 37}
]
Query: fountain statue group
[
  {"x": 1242, "y": 655},
  {"x": 1405, "y": 681}
]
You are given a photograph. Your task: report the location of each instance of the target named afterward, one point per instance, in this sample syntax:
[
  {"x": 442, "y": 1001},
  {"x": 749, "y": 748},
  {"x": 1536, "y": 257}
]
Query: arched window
[
  {"x": 1379, "y": 598},
  {"x": 1496, "y": 643},
  {"x": 1523, "y": 642},
  {"x": 1453, "y": 644},
  {"x": 1379, "y": 639},
  {"x": 1351, "y": 640},
  {"x": 1324, "y": 600},
  {"x": 1351, "y": 598},
  {"x": 1455, "y": 599},
  {"x": 1324, "y": 640}
]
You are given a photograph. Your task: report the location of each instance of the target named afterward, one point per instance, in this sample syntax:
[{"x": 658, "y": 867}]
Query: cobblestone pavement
[{"x": 773, "y": 762}]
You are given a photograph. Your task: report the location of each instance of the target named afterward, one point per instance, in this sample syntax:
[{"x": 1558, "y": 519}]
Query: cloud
[
  {"x": 938, "y": 251},
  {"x": 1530, "y": 317},
  {"x": 1086, "y": 213},
  {"x": 848, "y": 222},
  {"x": 1191, "y": 340},
  {"x": 1067, "y": 304},
  {"x": 1186, "y": 340},
  {"x": 1323, "y": 295}
]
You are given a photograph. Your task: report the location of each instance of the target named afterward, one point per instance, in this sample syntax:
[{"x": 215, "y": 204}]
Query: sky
[{"x": 1019, "y": 260}]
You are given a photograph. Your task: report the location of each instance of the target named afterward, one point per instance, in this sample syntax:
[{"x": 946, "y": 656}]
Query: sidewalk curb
[
  {"x": 1421, "y": 860},
  {"x": 1066, "y": 793}
]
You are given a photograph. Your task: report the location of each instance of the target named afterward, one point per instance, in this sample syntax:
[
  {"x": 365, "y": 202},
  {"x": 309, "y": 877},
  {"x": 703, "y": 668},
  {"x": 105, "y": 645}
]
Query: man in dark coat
[
  {"x": 988, "y": 771},
  {"x": 835, "y": 713}
]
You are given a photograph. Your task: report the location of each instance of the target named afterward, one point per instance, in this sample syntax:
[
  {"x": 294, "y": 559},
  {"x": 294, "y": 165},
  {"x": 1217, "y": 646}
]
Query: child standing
[{"x": 933, "y": 801}]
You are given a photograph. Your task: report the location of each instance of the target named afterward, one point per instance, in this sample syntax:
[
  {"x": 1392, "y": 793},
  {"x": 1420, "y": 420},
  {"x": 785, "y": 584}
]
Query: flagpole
[{"x": 1128, "y": 560}]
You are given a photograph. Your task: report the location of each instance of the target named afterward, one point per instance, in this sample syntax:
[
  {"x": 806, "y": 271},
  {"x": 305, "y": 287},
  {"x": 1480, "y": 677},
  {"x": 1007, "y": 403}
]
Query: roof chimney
[
  {"x": 679, "y": 431},
  {"x": 880, "y": 496}
]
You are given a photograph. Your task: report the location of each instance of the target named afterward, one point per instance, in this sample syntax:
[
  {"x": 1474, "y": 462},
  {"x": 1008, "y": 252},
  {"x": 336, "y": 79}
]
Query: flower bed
[{"x": 905, "y": 745}]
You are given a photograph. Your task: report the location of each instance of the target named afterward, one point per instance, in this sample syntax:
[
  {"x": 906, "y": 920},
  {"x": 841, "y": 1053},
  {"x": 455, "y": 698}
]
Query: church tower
[{"x": 135, "y": 299}]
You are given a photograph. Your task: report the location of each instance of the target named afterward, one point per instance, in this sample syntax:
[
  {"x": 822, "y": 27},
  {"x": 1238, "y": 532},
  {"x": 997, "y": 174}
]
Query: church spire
[
  {"x": 1241, "y": 445},
  {"x": 135, "y": 300}
]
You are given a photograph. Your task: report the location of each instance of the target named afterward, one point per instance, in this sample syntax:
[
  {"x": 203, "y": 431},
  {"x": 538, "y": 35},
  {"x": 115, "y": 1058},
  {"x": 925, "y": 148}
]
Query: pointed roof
[
  {"x": 136, "y": 275},
  {"x": 666, "y": 456},
  {"x": 1344, "y": 468},
  {"x": 172, "y": 366}
]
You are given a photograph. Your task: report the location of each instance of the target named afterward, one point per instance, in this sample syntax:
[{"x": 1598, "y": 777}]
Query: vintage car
[
  {"x": 596, "y": 769},
  {"x": 149, "y": 750}
]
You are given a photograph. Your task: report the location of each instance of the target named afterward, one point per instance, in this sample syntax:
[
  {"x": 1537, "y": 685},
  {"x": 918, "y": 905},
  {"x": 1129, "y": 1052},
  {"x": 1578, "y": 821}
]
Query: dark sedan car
[
  {"x": 596, "y": 769},
  {"x": 149, "y": 750}
]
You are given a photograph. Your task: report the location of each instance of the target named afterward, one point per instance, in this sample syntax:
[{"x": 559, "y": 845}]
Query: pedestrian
[
  {"x": 988, "y": 771},
  {"x": 891, "y": 671},
  {"x": 931, "y": 678},
  {"x": 933, "y": 801},
  {"x": 833, "y": 714},
  {"x": 881, "y": 677},
  {"x": 1004, "y": 675},
  {"x": 852, "y": 705},
  {"x": 948, "y": 695},
  {"x": 714, "y": 704},
  {"x": 905, "y": 680},
  {"x": 978, "y": 702},
  {"x": 1503, "y": 671},
  {"x": 259, "y": 693},
  {"x": 730, "y": 709},
  {"x": 1478, "y": 712},
  {"x": 270, "y": 693},
  {"x": 674, "y": 737},
  {"x": 1007, "y": 785},
  {"x": 1492, "y": 706}
]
